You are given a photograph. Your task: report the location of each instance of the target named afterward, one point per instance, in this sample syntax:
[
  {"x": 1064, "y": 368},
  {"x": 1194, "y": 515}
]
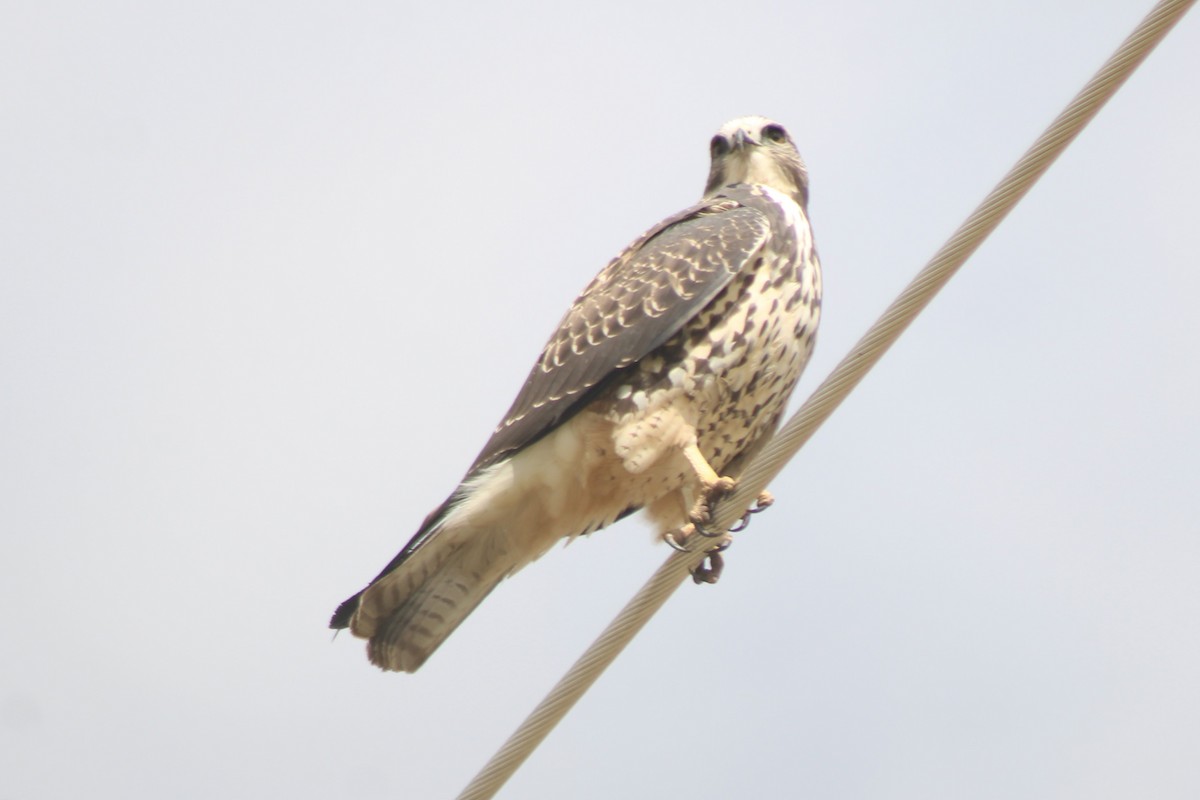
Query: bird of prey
[{"x": 666, "y": 375}]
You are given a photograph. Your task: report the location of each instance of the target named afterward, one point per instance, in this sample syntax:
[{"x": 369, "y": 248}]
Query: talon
[
  {"x": 680, "y": 539},
  {"x": 721, "y": 547},
  {"x": 700, "y": 517},
  {"x": 676, "y": 545},
  {"x": 764, "y": 501},
  {"x": 744, "y": 522},
  {"x": 698, "y": 528}
]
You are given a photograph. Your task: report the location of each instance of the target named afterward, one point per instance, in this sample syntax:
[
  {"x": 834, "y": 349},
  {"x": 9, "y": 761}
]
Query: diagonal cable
[{"x": 792, "y": 436}]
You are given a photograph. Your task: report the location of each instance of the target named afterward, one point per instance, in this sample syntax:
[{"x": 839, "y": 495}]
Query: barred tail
[{"x": 409, "y": 610}]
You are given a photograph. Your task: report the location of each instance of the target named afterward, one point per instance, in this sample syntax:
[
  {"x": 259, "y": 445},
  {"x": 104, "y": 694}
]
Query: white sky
[{"x": 271, "y": 273}]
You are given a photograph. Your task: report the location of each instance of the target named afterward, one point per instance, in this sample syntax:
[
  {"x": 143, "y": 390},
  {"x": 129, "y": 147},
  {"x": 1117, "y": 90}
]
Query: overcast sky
[{"x": 270, "y": 273}]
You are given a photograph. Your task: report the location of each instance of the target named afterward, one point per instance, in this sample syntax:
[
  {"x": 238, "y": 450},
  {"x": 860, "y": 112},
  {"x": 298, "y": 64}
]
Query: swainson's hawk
[{"x": 666, "y": 374}]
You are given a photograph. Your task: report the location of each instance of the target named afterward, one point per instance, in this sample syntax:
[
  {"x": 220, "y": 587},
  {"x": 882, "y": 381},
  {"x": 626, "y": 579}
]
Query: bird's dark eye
[
  {"x": 775, "y": 133},
  {"x": 719, "y": 146}
]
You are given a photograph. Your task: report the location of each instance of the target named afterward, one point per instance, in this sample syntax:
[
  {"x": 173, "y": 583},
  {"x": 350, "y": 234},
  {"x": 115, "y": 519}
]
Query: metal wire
[{"x": 792, "y": 436}]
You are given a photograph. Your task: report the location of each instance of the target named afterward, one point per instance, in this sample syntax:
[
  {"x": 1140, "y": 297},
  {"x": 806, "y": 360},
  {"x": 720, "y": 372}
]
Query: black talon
[
  {"x": 744, "y": 522},
  {"x": 669, "y": 538},
  {"x": 721, "y": 548}
]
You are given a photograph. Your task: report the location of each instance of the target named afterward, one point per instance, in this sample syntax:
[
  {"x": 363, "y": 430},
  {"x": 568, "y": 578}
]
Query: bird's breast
[{"x": 730, "y": 370}]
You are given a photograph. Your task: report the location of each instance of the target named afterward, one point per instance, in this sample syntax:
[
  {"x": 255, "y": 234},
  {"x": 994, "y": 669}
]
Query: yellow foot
[{"x": 710, "y": 494}]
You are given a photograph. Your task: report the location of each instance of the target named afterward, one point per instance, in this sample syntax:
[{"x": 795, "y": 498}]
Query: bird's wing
[{"x": 642, "y": 298}]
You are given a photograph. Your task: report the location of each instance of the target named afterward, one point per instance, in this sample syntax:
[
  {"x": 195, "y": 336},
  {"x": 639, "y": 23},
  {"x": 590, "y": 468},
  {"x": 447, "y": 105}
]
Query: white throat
[{"x": 756, "y": 166}]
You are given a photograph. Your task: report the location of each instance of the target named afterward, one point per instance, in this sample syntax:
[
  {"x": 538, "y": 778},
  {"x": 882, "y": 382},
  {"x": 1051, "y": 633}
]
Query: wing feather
[{"x": 642, "y": 298}]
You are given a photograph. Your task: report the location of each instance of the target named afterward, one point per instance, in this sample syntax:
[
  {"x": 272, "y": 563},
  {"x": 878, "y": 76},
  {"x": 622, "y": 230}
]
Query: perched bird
[{"x": 668, "y": 372}]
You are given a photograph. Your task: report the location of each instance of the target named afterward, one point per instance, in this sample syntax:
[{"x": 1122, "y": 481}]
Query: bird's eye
[
  {"x": 719, "y": 146},
  {"x": 775, "y": 133}
]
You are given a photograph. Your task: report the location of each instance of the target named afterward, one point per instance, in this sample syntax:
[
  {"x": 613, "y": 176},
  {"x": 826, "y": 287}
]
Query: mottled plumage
[{"x": 668, "y": 371}]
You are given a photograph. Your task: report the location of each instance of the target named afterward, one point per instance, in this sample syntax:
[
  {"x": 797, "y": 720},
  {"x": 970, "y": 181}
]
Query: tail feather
[
  {"x": 408, "y": 612},
  {"x": 341, "y": 617},
  {"x": 419, "y": 625},
  {"x": 345, "y": 613}
]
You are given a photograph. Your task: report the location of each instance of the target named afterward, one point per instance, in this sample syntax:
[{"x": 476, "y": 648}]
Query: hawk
[{"x": 666, "y": 375}]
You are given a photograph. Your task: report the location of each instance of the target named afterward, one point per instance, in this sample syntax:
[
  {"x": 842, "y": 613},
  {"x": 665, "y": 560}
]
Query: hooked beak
[{"x": 742, "y": 140}]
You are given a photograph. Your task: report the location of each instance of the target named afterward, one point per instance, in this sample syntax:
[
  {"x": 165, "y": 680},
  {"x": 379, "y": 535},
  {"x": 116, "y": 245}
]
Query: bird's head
[{"x": 757, "y": 150}]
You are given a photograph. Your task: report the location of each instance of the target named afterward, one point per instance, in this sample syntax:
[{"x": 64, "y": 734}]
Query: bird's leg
[{"x": 712, "y": 488}]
